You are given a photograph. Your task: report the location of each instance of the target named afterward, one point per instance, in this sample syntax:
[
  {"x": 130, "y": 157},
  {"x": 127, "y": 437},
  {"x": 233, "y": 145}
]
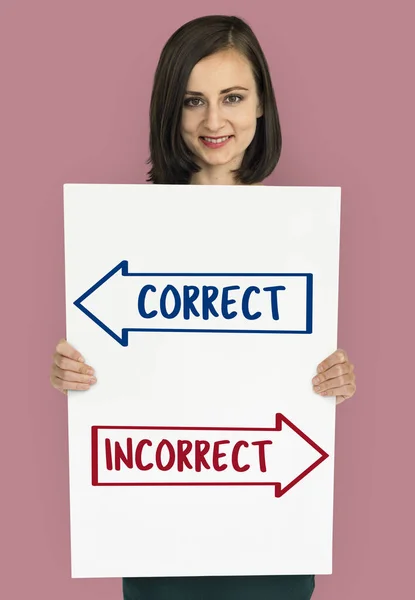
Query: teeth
[{"x": 219, "y": 141}]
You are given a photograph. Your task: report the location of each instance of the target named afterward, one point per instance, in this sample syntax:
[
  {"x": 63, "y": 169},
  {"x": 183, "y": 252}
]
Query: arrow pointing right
[
  {"x": 134, "y": 455},
  {"x": 279, "y": 489}
]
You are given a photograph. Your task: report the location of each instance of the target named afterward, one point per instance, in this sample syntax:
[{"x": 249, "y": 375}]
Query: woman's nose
[{"x": 214, "y": 118}]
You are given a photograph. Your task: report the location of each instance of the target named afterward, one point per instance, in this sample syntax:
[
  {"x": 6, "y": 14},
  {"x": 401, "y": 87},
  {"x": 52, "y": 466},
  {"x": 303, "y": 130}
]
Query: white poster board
[{"x": 204, "y": 310}]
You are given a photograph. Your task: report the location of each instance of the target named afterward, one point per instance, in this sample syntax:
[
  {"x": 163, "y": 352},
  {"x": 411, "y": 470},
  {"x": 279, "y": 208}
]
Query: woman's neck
[{"x": 204, "y": 179}]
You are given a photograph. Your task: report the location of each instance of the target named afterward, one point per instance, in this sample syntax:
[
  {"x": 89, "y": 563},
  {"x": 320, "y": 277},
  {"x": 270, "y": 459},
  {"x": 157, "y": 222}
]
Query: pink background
[{"x": 76, "y": 80}]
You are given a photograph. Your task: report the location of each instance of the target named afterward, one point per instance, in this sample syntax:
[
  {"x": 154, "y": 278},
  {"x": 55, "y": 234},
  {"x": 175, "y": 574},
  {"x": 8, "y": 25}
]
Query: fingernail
[
  {"x": 81, "y": 359},
  {"x": 90, "y": 372},
  {"x": 93, "y": 380},
  {"x": 317, "y": 387},
  {"x": 316, "y": 380}
]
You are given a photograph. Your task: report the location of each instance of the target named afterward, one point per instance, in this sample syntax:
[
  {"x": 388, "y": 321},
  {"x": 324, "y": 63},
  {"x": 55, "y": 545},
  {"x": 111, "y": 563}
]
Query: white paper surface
[{"x": 204, "y": 390}]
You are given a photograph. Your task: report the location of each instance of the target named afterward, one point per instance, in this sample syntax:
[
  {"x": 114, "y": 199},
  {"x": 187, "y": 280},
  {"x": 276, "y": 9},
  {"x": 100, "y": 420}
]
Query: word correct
[{"x": 212, "y": 301}]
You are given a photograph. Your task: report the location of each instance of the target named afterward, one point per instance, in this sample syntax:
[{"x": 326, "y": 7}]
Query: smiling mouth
[
  {"x": 220, "y": 137},
  {"x": 215, "y": 141}
]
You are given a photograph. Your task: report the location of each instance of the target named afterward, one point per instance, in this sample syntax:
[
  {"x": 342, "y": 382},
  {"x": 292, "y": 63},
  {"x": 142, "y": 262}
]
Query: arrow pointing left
[{"x": 199, "y": 302}]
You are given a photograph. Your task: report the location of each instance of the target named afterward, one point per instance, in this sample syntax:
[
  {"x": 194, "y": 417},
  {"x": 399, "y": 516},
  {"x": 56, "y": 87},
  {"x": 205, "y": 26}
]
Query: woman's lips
[{"x": 215, "y": 145}]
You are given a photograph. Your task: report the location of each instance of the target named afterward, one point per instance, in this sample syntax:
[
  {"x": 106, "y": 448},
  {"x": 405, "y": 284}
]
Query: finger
[
  {"x": 72, "y": 376},
  {"x": 65, "y": 349},
  {"x": 62, "y": 385},
  {"x": 53, "y": 383},
  {"x": 340, "y": 399},
  {"x": 332, "y": 372},
  {"x": 339, "y": 356},
  {"x": 344, "y": 390},
  {"x": 68, "y": 364},
  {"x": 336, "y": 382}
]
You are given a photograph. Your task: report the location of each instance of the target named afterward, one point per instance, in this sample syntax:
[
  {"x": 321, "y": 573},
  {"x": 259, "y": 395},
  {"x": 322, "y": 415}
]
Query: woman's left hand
[{"x": 335, "y": 377}]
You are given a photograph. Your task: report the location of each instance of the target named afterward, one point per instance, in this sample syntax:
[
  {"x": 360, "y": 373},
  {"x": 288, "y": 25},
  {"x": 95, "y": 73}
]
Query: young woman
[{"x": 213, "y": 121}]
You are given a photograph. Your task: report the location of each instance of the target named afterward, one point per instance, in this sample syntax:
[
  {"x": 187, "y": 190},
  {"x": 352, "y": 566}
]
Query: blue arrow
[{"x": 123, "y": 268}]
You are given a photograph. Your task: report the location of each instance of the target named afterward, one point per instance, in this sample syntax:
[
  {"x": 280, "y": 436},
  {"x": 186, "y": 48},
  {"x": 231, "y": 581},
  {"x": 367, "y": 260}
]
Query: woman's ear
[{"x": 259, "y": 111}]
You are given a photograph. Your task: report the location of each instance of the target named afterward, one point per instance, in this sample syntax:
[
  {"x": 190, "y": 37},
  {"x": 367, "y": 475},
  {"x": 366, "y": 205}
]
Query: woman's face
[{"x": 208, "y": 111}]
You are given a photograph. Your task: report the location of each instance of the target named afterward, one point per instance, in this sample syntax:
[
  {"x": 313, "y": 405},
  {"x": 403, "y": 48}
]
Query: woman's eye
[
  {"x": 189, "y": 102},
  {"x": 239, "y": 98}
]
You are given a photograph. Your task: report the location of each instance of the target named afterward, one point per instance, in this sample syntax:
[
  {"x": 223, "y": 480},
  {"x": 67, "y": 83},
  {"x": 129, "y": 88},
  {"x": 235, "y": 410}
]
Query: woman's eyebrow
[{"x": 235, "y": 87}]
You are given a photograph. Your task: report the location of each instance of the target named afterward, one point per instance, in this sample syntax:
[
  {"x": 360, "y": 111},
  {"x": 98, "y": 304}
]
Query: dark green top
[{"x": 269, "y": 587}]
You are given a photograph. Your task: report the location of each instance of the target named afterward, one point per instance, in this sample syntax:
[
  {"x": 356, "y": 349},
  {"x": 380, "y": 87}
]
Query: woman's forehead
[{"x": 219, "y": 71}]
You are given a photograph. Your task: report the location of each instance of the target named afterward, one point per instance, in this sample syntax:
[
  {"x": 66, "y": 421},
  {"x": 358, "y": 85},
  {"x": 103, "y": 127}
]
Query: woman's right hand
[{"x": 69, "y": 371}]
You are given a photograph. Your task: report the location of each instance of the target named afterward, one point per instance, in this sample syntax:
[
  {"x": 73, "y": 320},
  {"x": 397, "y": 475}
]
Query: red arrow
[{"x": 102, "y": 461}]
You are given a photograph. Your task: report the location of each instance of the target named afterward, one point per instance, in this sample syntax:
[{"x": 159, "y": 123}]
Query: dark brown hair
[{"x": 172, "y": 162}]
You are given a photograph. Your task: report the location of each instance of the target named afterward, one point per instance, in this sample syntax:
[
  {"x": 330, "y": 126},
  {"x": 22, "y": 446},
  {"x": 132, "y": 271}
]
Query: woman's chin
[{"x": 216, "y": 160}]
